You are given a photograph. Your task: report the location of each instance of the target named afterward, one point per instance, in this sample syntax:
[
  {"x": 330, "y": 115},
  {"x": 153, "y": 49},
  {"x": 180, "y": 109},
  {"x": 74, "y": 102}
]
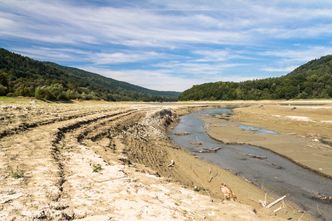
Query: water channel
[{"x": 273, "y": 173}]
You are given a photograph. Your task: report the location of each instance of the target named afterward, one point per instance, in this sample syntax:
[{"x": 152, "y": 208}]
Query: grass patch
[
  {"x": 15, "y": 100},
  {"x": 17, "y": 173},
  {"x": 96, "y": 167},
  {"x": 4, "y": 98}
]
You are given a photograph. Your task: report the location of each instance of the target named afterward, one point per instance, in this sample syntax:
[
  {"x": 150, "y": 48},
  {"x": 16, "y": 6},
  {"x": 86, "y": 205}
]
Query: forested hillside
[
  {"x": 23, "y": 76},
  {"x": 311, "y": 80}
]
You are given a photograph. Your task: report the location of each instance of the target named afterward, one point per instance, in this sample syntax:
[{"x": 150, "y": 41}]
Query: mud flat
[
  {"x": 262, "y": 167},
  {"x": 304, "y": 131},
  {"x": 100, "y": 161},
  {"x": 296, "y": 131}
]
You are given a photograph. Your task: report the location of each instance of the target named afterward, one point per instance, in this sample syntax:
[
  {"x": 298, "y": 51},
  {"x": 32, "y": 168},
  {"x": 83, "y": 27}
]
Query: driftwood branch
[
  {"x": 263, "y": 203},
  {"x": 323, "y": 197},
  {"x": 182, "y": 133},
  {"x": 212, "y": 177},
  {"x": 207, "y": 150},
  {"x": 257, "y": 156},
  {"x": 276, "y": 201}
]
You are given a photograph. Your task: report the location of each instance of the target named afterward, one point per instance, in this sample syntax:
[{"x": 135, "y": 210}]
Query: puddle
[{"x": 256, "y": 130}]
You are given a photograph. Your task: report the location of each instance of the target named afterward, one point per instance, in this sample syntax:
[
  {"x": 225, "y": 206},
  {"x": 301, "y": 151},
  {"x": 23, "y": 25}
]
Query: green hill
[
  {"x": 23, "y": 76},
  {"x": 311, "y": 80}
]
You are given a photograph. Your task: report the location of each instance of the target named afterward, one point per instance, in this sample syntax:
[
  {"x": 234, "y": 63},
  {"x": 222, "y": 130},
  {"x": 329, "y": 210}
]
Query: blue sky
[{"x": 173, "y": 44}]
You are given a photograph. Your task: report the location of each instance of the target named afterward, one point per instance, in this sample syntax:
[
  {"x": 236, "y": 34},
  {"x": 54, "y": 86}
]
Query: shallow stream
[{"x": 271, "y": 172}]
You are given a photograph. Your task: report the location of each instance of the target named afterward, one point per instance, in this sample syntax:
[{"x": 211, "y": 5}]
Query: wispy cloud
[
  {"x": 123, "y": 57},
  {"x": 54, "y": 54},
  {"x": 196, "y": 68},
  {"x": 301, "y": 54},
  {"x": 150, "y": 79},
  {"x": 178, "y": 42},
  {"x": 133, "y": 27},
  {"x": 279, "y": 69},
  {"x": 97, "y": 58},
  {"x": 161, "y": 79}
]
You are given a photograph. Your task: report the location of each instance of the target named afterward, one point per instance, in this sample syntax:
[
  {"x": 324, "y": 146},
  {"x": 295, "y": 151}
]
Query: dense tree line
[
  {"x": 311, "y": 80},
  {"x": 22, "y": 76}
]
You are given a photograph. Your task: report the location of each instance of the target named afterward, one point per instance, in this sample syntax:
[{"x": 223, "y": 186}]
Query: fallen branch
[
  {"x": 206, "y": 150},
  {"x": 324, "y": 198},
  {"x": 257, "y": 156},
  {"x": 183, "y": 133},
  {"x": 212, "y": 177},
  {"x": 263, "y": 203},
  {"x": 276, "y": 201},
  {"x": 276, "y": 210},
  {"x": 196, "y": 143}
]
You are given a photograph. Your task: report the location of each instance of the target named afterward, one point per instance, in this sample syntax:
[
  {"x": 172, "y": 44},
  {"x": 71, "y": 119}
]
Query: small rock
[
  {"x": 171, "y": 164},
  {"x": 40, "y": 215},
  {"x": 228, "y": 193}
]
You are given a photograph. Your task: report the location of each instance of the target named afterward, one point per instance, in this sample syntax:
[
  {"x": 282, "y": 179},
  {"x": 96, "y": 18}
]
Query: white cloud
[
  {"x": 155, "y": 80},
  {"x": 71, "y": 24},
  {"x": 241, "y": 22},
  {"x": 301, "y": 54},
  {"x": 201, "y": 40},
  {"x": 5, "y": 22},
  {"x": 161, "y": 79},
  {"x": 213, "y": 55},
  {"x": 196, "y": 68},
  {"x": 53, "y": 54},
  {"x": 121, "y": 57},
  {"x": 288, "y": 60},
  {"x": 283, "y": 70},
  {"x": 78, "y": 55}
]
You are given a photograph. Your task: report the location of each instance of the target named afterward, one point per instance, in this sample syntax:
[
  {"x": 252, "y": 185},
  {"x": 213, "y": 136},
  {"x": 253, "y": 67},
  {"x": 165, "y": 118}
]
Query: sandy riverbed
[
  {"x": 303, "y": 131},
  {"x": 99, "y": 160}
]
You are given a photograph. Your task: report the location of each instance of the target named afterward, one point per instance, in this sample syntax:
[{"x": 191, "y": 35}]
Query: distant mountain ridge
[
  {"x": 311, "y": 80},
  {"x": 23, "y": 76}
]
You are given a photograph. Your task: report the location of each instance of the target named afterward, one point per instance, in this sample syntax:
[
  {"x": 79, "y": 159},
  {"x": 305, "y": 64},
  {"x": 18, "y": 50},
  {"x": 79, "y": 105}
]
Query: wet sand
[
  {"x": 302, "y": 134},
  {"x": 267, "y": 170}
]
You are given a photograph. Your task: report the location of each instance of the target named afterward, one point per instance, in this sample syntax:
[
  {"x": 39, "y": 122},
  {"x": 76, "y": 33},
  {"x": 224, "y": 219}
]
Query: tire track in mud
[
  {"x": 42, "y": 157},
  {"x": 147, "y": 144},
  {"x": 25, "y": 126},
  {"x": 101, "y": 129},
  {"x": 69, "y": 138}
]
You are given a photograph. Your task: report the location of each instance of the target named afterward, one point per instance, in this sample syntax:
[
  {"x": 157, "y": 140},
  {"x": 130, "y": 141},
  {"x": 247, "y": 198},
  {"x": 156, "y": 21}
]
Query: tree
[{"x": 3, "y": 90}]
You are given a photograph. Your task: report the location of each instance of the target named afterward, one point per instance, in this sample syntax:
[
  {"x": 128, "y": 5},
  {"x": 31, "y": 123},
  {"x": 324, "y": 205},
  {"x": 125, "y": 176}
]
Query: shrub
[{"x": 51, "y": 92}]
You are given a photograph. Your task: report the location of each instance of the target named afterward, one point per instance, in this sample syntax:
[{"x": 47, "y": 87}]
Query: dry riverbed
[{"x": 99, "y": 161}]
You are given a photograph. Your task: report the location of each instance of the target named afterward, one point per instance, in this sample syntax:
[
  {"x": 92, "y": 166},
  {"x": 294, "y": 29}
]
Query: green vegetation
[
  {"x": 311, "y": 80},
  {"x": 17, "y": 173},
  {"x": 96, "y": 168},
  {"x": 23, "y": 76}
]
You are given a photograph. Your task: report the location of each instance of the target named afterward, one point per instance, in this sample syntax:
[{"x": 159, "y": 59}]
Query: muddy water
[
  {"x": 256, "y": 130},
  {"x": 274, "y": 173}
]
